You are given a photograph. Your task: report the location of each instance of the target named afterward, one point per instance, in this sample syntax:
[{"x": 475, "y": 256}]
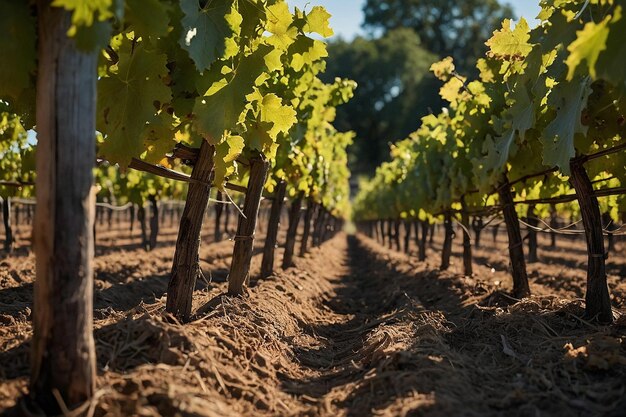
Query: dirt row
[{"x": 355, "y": 329}]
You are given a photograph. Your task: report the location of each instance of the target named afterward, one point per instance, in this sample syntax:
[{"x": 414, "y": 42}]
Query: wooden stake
[
  {"x": 273, "y": 224},
  {"x": 598, "y": 301},
  {"x": 521, "y": 288},
  {"x": 185, "y": 267},
  {"x": 62, "y": 350},
  {"x": 244, "y": 240},
  {"x": 292, "y": 232}
]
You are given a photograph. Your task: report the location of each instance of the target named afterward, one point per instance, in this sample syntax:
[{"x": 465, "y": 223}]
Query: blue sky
[{"x": 347, "y": 15}]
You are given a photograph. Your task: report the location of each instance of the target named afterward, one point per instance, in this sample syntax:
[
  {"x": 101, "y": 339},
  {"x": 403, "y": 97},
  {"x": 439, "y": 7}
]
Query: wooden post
[
  {"x": 227, "y": 211},
  {"x": 531, "y": 219},
  {"x": 597, "y": 299},
  {"x": 132, "y": 217},
  {"x": 219, "y": 208},
  {"x": 185, "y": 267},
  {"x": 521, "y": 288},
  {"x": 317, "y": 225},
  {"x": 8, "y": 230},
  {"x": 494, "y": 232},
  {"x": 407, "y": 236},
  {"x": 467, "y": 240},
  {"x": 607, "y": 224},
  {"x": 62, "y": 350},
  {"x": 244, "y": 241},
  {"x": 477, "y": 225},
  {"x": 141, "y": 217},
  {"x": 267, "y": 264},
  {"x": 554, "y": 223},
  {"x": 292, "y": 232},
  {"x": 154, "y": 221},
  {"x": 447, "y": 242},
  {"x": 423, "y": 239},
  {"x": 308, "y": 216},
  {"x": 433, "y": 229}
]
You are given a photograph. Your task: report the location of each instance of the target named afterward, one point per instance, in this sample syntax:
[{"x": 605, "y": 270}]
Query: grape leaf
[
  {"x": 226, "y": 153},
  {"x": 128, "y": 99},
  {"x": 318, "y": 21},
  {"x": 610, "y": 64},
  {"x": 443, "y": 69},
  {"x": 18, "y": 37},
  {"x": 590, "y": 42},
  {"x": 208, "y": 32},
  {"x": 148, "y": 17},
  {"x": 220, "y": 111},
  {"x": 507, "y": 43},
  {"x": 568, "y": 98},
  {"x": 84, "y": 12},
  {"x": 306, "y": 51},
  {"x": 280, "y": 116},
  {"x": 279, "y": 24}
]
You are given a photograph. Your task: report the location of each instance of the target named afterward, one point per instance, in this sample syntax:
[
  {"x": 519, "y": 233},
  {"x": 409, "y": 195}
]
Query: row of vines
[
  {"x": 539, "y": 135},
  {"x": 146, "y": 96}
]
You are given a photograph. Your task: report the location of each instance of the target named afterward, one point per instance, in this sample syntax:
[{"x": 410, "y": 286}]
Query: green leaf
[
  {"x": 158, "y": 139},
  {"x": 318, "y": 21},
  {"x": 281, "y": 117},
  {"x": 226, "y": 153},
  {"x": 279, "y": 20},
  {"x": 208, "y": 33},
  {"x": 510, "y": 44},
  {"x": 221, "y": 110},
  {"x": 18, "y": 38},
  {"x": 610, "y": 64},
  {"x": 147, "y": 17},
  {"x": 306, "y": 51},
  {"x": 443, "y": 69},
  {"x": 591, "y": 41},
  {"x": 129, "y": 98},
  {"x": 84, "y": 12},
  {"x": 568, "y": 98},
  {"x": 94, "y": 37}
]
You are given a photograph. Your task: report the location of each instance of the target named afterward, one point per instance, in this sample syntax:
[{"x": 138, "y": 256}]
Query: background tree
[
  {"x": 393, "y": 84},
  {"x": 391, "y": 66},
  {"x": 445, "y": 27}
]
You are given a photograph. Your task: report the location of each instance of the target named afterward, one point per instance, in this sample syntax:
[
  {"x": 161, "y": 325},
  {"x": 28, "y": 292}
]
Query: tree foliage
[
  {"x": 394, "y": 90},
  {"x": 446, "y": 27}
]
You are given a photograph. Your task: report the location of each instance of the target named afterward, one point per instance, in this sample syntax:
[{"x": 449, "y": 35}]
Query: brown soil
[{"x": 355, "y": 329}]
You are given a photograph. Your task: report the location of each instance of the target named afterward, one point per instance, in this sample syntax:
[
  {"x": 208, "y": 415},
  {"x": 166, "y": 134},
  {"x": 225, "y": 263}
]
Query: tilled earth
[{"x": 354, "y": 329}]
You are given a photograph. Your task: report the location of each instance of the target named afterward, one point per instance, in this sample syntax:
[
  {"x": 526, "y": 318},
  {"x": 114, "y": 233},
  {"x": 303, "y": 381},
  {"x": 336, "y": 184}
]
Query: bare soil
[{"x": 354, "y": 329}]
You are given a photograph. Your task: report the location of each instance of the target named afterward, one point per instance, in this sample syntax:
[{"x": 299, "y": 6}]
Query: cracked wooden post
[
  {"x": 273, "y": 225},
  {"x": 308, "y": 216},
  {"x": 532, "y": 220},
  {"x": 185, "y": 267},
  {"x": 396, "y": 234},
  {"x": 219, "y": 208},
  {"x": 244, "y": 240},
  {"x": 63, "y": 358},
  {"x": 477, "y": 225},
  {"x": 292, "y": 232},
  {"x": 423, "y": 240},
  {"x": 8, "y": 230},
  {"x": 141, "y": 217},
  {"x": 597, "y": 298},
  {"x": 154, "y": 221},
  {"x": 447, "y": 242},
  {"x": 521, "y": 288},
  {"x": 407, "y": 236},
  {"x": 467, "y": 240}
]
